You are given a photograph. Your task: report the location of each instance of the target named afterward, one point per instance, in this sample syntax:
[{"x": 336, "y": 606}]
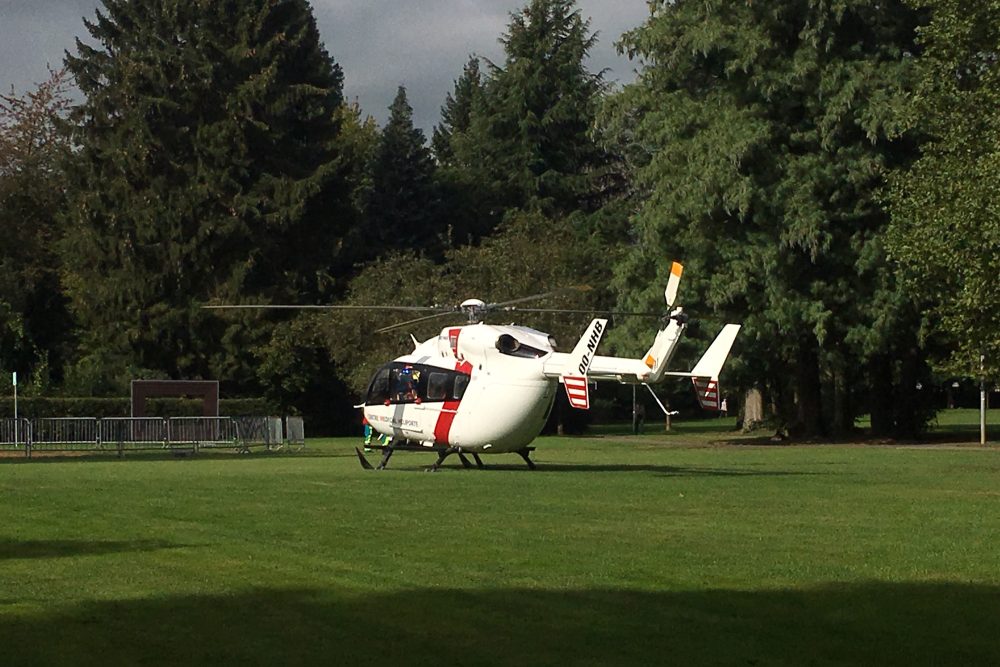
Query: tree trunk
[
  {"x": 753, "y": 410},
  {"x": 809, "y": 413},
  {"x": 909, "y": 398},
  {"x": 881, "y": 400},
  {"x": 841, "y": 409}
]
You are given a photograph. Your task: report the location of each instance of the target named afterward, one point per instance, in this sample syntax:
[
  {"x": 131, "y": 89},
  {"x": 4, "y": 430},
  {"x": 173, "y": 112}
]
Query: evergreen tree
[
  {"x": 402, "y": 210},
  {"x": 35, "y": 327},
  {"x": 208, "y": 169},
  {"x": 765, "y": 131},
  {"x": 530, "y": 135},
  {"x": 456, "y": 114},
  {"x": 468, "y": 211},
  {"x": 946, "y": 220}
]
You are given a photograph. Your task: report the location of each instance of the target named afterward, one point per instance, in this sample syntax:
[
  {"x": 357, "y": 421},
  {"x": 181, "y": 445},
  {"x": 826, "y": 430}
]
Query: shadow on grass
[
  {"x": 663, "y": 470},
  {"x": 10, "y": 549},
  {"x": 873, "y": 623}
]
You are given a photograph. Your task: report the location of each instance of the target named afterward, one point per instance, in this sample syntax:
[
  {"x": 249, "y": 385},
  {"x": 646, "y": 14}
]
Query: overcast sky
[{"x": 380, "y": 44}]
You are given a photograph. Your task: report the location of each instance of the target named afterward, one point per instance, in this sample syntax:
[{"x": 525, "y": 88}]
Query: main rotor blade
[
  {"x": 414, "y": 321},
  {"x": 581, "y": 312},
  {"x": 564, "y": 290},
  {"x": 269, "y": 306}
]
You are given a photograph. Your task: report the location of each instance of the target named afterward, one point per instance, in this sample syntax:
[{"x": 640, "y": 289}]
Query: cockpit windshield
[{"x": 400, "y": 382}]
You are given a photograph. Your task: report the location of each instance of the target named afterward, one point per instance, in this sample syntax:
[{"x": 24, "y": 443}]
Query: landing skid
[
  {"x": 524, "y": 455},
  {"x": 442, "y": 452}
]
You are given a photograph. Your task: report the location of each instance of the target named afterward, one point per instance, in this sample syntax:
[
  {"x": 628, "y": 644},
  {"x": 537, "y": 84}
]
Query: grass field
[{"x": 666, "y": 549}]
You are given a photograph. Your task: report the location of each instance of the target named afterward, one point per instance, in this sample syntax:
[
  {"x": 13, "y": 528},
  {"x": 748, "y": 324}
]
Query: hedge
[{"x": 33, "y": 407}]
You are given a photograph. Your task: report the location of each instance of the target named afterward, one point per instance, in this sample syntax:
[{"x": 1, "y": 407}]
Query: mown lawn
[{"x": 667, "y": 549}]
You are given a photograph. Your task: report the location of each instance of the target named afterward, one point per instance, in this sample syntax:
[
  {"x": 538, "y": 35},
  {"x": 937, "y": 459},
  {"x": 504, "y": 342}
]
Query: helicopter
[{"x": 488, "y": 389}]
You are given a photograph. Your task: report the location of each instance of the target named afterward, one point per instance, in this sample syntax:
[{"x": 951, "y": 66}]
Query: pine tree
[
  {"x": 468, "y": 211},
  {"x": 456, "y": 114},
  {"x": 208, "y": 169},
  {"x": 402, "y": 210},
  {"x": 530, "y": 136},
  {"x": 767, "y": 130}
]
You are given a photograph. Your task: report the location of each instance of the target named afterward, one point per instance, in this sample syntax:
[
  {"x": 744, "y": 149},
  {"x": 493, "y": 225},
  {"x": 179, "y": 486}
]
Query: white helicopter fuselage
[
  {"x": 484, "y": 388},
  {"x": 468, "y": 392}
]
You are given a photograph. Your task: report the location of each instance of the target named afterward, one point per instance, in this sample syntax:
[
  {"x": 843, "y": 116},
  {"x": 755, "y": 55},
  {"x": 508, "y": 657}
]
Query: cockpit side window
[
  {"x": 461, "y": 382},
  {"x": 406, "y": 384},
  {"x": 378, "y": 388},
  {"x": 437, "y": 386}
]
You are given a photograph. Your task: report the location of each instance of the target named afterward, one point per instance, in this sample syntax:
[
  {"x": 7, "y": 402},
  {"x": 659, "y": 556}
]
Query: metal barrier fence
[
  {"x": 15, "y": 434},
  {"x": 254, "y": 432},
  {"x": 202, "y": 432},
  {"x": 65, "y": 434},
  {"x": 122, "y": 434},
  {"x": 275, "y": 432},
  {"x": 134, "y": 433},
  {"x": 296, "y": 431}
]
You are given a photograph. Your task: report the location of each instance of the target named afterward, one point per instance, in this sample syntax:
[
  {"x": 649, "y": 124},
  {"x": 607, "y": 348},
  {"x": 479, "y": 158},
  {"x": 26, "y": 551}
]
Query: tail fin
[
  {"x": 710, "y": 364},
  {"x": 574, "y": 375}
]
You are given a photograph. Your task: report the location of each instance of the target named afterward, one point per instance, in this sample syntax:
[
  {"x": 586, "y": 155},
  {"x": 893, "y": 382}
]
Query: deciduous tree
[
  {"x": 35, "y": 327},
  {"x": 945, "y": 230}
]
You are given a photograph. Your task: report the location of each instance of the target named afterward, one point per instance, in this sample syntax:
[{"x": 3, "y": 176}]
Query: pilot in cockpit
[{"x": 406, "y": 389}]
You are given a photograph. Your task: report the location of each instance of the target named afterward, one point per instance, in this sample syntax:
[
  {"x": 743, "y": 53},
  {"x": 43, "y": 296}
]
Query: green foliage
[
  {"x": 209, "y": 168},
  {"x": 758, "y": 135},
  {"x": 456, "y": 116},
  {"x": 35, "y": 327},
  {"x": 33, "y": 407},
  {"x": 945, "y": 230},
  {"x": 401, "y": 207},
  {"x": 529, "y": 255},
  {"x": 529, "y": 135},
  {"x": 468, "y": 208},
  {"x": 359, "y": 136}
]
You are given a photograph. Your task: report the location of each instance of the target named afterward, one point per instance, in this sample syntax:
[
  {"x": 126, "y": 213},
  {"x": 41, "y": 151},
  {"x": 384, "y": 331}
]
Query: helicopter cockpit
[{"x": 400, "y": 382}]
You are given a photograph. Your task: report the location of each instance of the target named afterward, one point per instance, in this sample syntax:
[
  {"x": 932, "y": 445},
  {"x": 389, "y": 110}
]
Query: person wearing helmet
[{"x": 406, "y": 388}]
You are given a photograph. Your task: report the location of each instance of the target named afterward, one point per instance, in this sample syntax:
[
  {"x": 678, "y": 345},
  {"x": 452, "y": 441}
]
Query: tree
[
  {"x": 402, "y": 210},
  {"x": 528, "y": 255},
  {"x": 209, "y": 168},
  {"x": 529, "y": 137},
  {"x": 35, "y": 327},
  {"x": 764, "y": 132},
  {"x": 468, "y": 211},
  {"x": 945, "y": 230},
  {"x": 456, "y": 114}
]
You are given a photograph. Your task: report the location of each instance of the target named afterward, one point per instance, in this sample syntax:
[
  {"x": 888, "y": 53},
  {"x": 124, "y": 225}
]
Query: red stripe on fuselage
[{"x": 442, "y": 429}]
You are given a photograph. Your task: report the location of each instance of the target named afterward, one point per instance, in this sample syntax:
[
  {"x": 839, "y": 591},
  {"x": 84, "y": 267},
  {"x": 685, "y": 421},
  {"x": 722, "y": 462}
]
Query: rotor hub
[{"x": 474, "y": 309}]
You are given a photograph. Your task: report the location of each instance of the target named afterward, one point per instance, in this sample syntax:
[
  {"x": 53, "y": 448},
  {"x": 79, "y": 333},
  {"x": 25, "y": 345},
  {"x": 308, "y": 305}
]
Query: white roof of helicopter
[{"x": 475, "y": 340}]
